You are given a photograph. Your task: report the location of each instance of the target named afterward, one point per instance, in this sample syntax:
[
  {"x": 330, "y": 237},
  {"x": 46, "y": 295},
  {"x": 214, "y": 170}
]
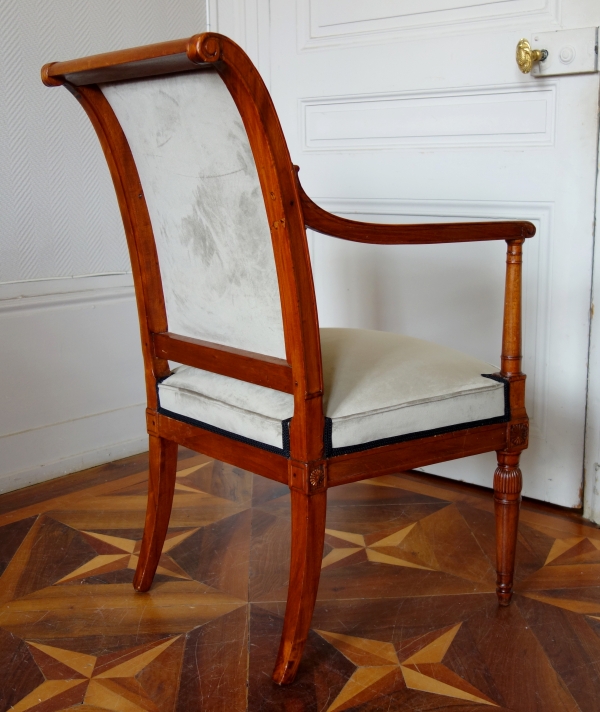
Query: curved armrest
[{"x": 321, "y": 221}]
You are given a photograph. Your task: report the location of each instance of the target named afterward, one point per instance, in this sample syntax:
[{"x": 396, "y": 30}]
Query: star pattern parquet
[{"x": 406, "y": 617}]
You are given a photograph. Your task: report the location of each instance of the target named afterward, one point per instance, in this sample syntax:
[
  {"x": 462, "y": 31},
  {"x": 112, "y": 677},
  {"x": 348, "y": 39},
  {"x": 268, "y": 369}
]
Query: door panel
[
  {"x": 322, "y": 22},
  {"x": 486, "y": 116}
]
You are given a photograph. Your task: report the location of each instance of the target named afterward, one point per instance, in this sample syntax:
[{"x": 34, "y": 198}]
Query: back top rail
[{"x": 135, "y": 63}]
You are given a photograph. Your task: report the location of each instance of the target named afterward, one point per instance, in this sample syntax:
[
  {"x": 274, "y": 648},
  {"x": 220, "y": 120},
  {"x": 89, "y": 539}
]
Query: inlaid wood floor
[{"x": 406, "y": 617}]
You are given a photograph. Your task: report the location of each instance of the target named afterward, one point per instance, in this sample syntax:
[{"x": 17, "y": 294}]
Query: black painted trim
[
  {"x": 285, "y": 427},
  {"x": 330, "y": 451}
]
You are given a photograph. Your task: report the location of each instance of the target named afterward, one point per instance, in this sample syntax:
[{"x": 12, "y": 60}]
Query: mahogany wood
[
  {"x": 256, "y": 368},
  {"x": 511, "y": 331},
  {"x": 414, "y": 453},
  {"x": 508, "y": 483},
  {"x": 138, "y": 229},
  {"x": 149, "y": 60},
  {"x": 234, "y": 452},
  {"x": 289, "y": 212},
  {"x": 508, "y": 480},
  {"x": 161, "y": 487},
  {"x": 278, "y": 182},
  {"x": 326, "y": 223},
  {"x": 308, "y": 535}
]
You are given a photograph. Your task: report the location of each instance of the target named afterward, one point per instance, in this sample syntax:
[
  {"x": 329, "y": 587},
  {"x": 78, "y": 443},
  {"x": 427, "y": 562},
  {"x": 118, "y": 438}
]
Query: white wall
[{"x": 71, "y": 384}]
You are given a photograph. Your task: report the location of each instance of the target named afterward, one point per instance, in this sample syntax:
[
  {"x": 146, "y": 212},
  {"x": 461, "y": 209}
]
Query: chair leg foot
[
  {"x": 308, "y": 534},
  {"x": 161, "y": 486},
  {"x": 508, "y": 482}
]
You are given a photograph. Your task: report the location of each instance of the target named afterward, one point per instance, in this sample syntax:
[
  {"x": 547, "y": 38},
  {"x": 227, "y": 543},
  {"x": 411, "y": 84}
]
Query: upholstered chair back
[{"x": 206, "y": 208}]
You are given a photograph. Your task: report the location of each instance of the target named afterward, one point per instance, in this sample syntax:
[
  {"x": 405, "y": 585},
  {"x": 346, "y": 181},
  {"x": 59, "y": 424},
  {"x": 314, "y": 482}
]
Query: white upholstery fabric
[
  {"x": 377, "y": 385},
  {"x": 238, "y": 407},
  {"x": 381, "y": 385},
  {"x": 206, "y": 207}
]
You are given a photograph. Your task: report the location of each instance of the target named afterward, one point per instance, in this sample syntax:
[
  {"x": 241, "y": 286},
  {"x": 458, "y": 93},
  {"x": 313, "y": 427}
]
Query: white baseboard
[
  {"x": 66, "y": 465},
  {"x": 72, "y": 390}
]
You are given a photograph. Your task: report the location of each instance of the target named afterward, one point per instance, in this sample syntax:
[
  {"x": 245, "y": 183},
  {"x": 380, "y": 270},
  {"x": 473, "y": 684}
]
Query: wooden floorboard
[{"x": 406, "y": 617}]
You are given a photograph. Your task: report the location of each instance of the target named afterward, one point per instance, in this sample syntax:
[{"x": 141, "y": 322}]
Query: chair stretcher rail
[{"x": 247, "y": 366}]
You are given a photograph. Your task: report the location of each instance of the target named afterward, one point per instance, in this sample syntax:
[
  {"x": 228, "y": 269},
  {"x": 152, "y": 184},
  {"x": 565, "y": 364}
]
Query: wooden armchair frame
[{"x": 308, "y": 471}]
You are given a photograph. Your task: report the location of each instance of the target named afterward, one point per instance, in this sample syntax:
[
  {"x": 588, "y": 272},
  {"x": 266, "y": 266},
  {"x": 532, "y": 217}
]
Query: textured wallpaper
[{"x": 58, "y": 211}]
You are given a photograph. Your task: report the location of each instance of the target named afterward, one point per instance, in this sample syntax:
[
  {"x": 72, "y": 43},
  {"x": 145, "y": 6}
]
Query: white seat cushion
[
  {"x": 378, "y": 387},
  {"x": 251, "y": 412}
]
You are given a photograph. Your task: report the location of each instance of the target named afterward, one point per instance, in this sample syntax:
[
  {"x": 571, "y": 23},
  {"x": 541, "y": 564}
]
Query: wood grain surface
[{"x": 406, "y": 616}]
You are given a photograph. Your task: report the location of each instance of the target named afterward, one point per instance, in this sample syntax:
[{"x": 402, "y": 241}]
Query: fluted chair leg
[
  {"x": 308, "y": 533},
  {"x": 508, "y": 482},
  {"x": 161, "y": 486}
]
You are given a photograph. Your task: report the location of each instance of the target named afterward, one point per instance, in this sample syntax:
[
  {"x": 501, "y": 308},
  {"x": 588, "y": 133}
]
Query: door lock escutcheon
[
  {"x": 551, "y": 54},
  {"x": 526, "y": 56}
]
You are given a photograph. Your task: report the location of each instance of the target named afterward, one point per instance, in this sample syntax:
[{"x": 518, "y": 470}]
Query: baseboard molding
[
  {"x": 71, "y": 385},
  {"x": 38, "y": 455}
]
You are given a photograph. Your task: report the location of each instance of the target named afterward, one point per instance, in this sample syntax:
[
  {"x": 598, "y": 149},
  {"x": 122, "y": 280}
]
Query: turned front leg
[
  {"x": 508, "y": 483},
  {"x": 508, "y": 480}
]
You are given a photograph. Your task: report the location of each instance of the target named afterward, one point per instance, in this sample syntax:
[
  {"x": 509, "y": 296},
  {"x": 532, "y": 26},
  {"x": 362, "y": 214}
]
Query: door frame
[{"x": 591, "y": 461}]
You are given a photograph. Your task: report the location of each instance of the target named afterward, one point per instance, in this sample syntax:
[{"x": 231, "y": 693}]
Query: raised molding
[
  {"x": 536, "y": 268},
  {"x": 63, "y": 285},
  {"x": 50, "y": 294},
  {"x": 505, "y": 115},
  {"x": 342, "y": 22}
]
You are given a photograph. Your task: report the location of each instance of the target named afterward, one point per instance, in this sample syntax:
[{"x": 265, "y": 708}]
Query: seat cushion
[
  {"x": 379, "y": 388},
  {"x": 248, "y": 411}
]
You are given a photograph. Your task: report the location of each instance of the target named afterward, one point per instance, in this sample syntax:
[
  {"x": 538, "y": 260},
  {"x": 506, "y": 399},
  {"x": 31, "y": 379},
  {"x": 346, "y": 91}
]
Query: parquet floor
[{"x": 406, "y": 617}]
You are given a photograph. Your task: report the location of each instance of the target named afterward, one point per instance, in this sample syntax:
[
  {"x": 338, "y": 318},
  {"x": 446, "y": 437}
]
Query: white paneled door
[{"x": 415, "y": 110}]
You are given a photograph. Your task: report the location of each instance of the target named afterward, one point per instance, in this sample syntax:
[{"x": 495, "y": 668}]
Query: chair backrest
[
  {"x": 213, "y": 217},
  {"x": 206, "y": 206}
]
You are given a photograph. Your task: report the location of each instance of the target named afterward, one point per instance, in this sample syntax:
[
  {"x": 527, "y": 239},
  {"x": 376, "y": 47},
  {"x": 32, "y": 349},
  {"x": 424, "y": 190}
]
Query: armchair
[{"x": 215, "y": 220}]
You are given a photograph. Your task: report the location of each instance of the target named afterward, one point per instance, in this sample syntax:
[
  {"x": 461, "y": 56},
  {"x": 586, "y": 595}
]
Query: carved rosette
[
  {"x": 317, "y": 478},
  {"x": 508, "y": 479},
  {"x": 519, "y": 433},
  {"x": 204, "y": 48}
]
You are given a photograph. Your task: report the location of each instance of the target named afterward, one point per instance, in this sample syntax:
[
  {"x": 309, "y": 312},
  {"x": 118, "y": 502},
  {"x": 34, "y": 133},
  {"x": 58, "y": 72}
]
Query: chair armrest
[{"x": 326, "y": 223}]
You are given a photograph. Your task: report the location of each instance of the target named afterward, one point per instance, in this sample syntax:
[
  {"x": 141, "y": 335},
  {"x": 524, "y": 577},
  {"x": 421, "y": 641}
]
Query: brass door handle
[{"x": 526, "y": 57}]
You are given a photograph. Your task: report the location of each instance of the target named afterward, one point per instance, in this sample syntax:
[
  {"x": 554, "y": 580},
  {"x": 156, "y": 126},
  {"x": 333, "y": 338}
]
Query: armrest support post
[{"x": 511, "y": 333}]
